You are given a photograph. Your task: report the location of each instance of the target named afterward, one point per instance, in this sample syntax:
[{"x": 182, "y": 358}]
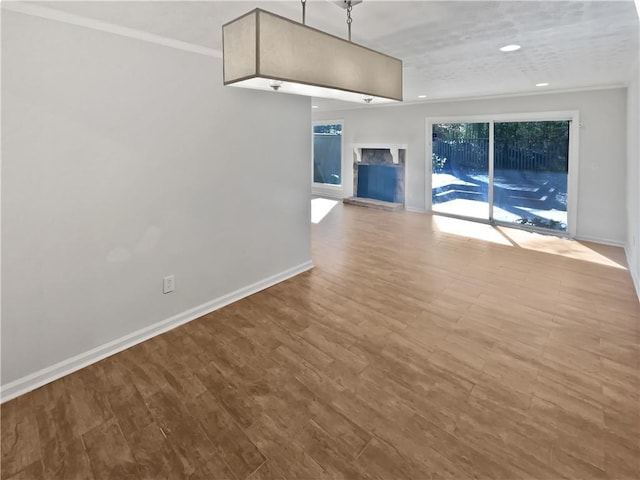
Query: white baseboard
[
  {"x": 604, "y": 241},
  {"x": 46, "y": 375},
  {"x": 633, "y": 272},
  {"x": 415, "y": 210},
  {"x": 327, "y": 192}
]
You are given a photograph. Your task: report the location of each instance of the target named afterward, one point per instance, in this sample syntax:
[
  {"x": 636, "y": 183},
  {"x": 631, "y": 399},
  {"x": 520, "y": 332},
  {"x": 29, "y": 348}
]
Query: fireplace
[{"x": 379, "y": 172}]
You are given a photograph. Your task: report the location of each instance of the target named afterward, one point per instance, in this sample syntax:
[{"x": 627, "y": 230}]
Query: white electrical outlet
[{"x": 168, "y": 284}]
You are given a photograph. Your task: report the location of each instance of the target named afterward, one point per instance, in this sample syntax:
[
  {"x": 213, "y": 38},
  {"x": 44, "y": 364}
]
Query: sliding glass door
[
  {"x": 460, "y": 166},
  {"x": 505, "y": 171},
  {"x": 531, "y": 171}
]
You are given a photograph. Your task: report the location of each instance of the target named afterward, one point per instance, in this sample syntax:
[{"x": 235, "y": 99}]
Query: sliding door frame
[{"x": 572, "y": 116}]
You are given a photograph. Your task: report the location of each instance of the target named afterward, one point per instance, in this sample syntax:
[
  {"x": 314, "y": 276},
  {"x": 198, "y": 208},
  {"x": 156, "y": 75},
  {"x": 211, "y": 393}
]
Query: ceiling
[{"x": 450, "y": 49}]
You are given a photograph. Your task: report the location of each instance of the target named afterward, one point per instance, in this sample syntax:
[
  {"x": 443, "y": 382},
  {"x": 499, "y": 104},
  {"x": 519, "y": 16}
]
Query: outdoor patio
[{"x": 536, "y": 199}]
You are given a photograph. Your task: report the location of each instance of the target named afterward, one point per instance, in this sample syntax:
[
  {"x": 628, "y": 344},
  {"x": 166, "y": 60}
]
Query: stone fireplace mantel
[{"x": 394, "y": 148}]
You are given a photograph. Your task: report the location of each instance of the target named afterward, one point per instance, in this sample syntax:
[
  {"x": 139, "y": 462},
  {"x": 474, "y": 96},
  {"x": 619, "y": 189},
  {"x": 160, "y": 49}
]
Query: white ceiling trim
[
  {"x": 59, "y": 16},
  {"x": 407, "y": 103},
  {"x": 542, "y": 91}
]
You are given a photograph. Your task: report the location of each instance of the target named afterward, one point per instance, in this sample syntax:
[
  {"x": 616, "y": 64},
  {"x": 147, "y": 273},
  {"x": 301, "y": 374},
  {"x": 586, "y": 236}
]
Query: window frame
[
  {"x": 572, "y": 116},
  {"x": 328, "y": 189}
]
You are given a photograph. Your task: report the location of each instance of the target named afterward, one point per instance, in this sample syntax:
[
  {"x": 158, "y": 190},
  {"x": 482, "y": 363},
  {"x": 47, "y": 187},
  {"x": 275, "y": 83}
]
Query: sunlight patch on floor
[
  {"x": 565, "y": 247},
  {"x": 320, "y": 208},
  {"x": 466, "y": 228}
]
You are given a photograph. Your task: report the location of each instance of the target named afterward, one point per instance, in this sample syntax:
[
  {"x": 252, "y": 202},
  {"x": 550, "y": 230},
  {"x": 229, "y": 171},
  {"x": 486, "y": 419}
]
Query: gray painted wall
[
  {"x": 123, "y": 162},
  {"x": 633, "y": 178}
]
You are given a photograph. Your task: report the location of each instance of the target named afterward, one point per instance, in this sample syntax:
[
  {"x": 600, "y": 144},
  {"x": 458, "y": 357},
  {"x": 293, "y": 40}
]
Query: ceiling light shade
[{"x": 261, "y": 47}]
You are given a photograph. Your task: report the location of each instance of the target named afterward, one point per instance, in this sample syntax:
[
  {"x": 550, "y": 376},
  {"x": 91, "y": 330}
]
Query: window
[{"x": 327, "y": 153}]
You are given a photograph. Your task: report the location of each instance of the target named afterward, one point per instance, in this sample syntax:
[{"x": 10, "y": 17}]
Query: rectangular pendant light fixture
[{"x": 265, "y": 51}]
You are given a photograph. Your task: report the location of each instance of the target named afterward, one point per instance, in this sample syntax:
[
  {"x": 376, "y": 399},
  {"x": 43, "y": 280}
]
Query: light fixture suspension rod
[
  {"x": 304, "y": 11},
  {"x": 349, "y": 19}
]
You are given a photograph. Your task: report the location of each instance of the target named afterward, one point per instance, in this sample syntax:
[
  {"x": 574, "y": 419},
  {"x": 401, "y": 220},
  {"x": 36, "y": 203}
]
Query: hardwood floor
[{"x": 419, "y": 347}]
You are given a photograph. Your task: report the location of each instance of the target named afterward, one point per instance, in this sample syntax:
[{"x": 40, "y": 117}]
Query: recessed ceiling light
[
  {"x": 543, "y": 84},
  {"x": 422, "y": 96},
  {"x": 510, "y": 48},
  {"x": 314, "y": 106}
]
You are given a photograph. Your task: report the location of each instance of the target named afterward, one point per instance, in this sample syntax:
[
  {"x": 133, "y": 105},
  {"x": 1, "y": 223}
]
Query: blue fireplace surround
[{"x": 379, "y": 182}]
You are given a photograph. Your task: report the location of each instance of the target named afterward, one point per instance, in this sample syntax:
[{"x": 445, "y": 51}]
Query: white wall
[
  {"x": 123, "y": 162},
  {"x": 633, "y": 178},
  {"x": 602, "y": 197}
]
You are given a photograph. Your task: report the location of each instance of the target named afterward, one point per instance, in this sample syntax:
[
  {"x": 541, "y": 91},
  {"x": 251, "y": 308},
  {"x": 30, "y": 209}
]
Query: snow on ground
[{"x": 480, "y": 209}]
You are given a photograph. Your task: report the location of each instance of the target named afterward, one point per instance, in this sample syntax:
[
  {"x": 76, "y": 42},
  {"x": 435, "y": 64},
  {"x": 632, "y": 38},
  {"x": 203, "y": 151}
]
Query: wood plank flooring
[{"x": 419, "y": 347}]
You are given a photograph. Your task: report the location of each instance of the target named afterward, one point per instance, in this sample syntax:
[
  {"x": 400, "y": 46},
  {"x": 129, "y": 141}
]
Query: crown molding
[
  {"x": 611, "y": 86},
  {"x": 80, "y": 21},
  {"x": 470, "y": 98}
]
